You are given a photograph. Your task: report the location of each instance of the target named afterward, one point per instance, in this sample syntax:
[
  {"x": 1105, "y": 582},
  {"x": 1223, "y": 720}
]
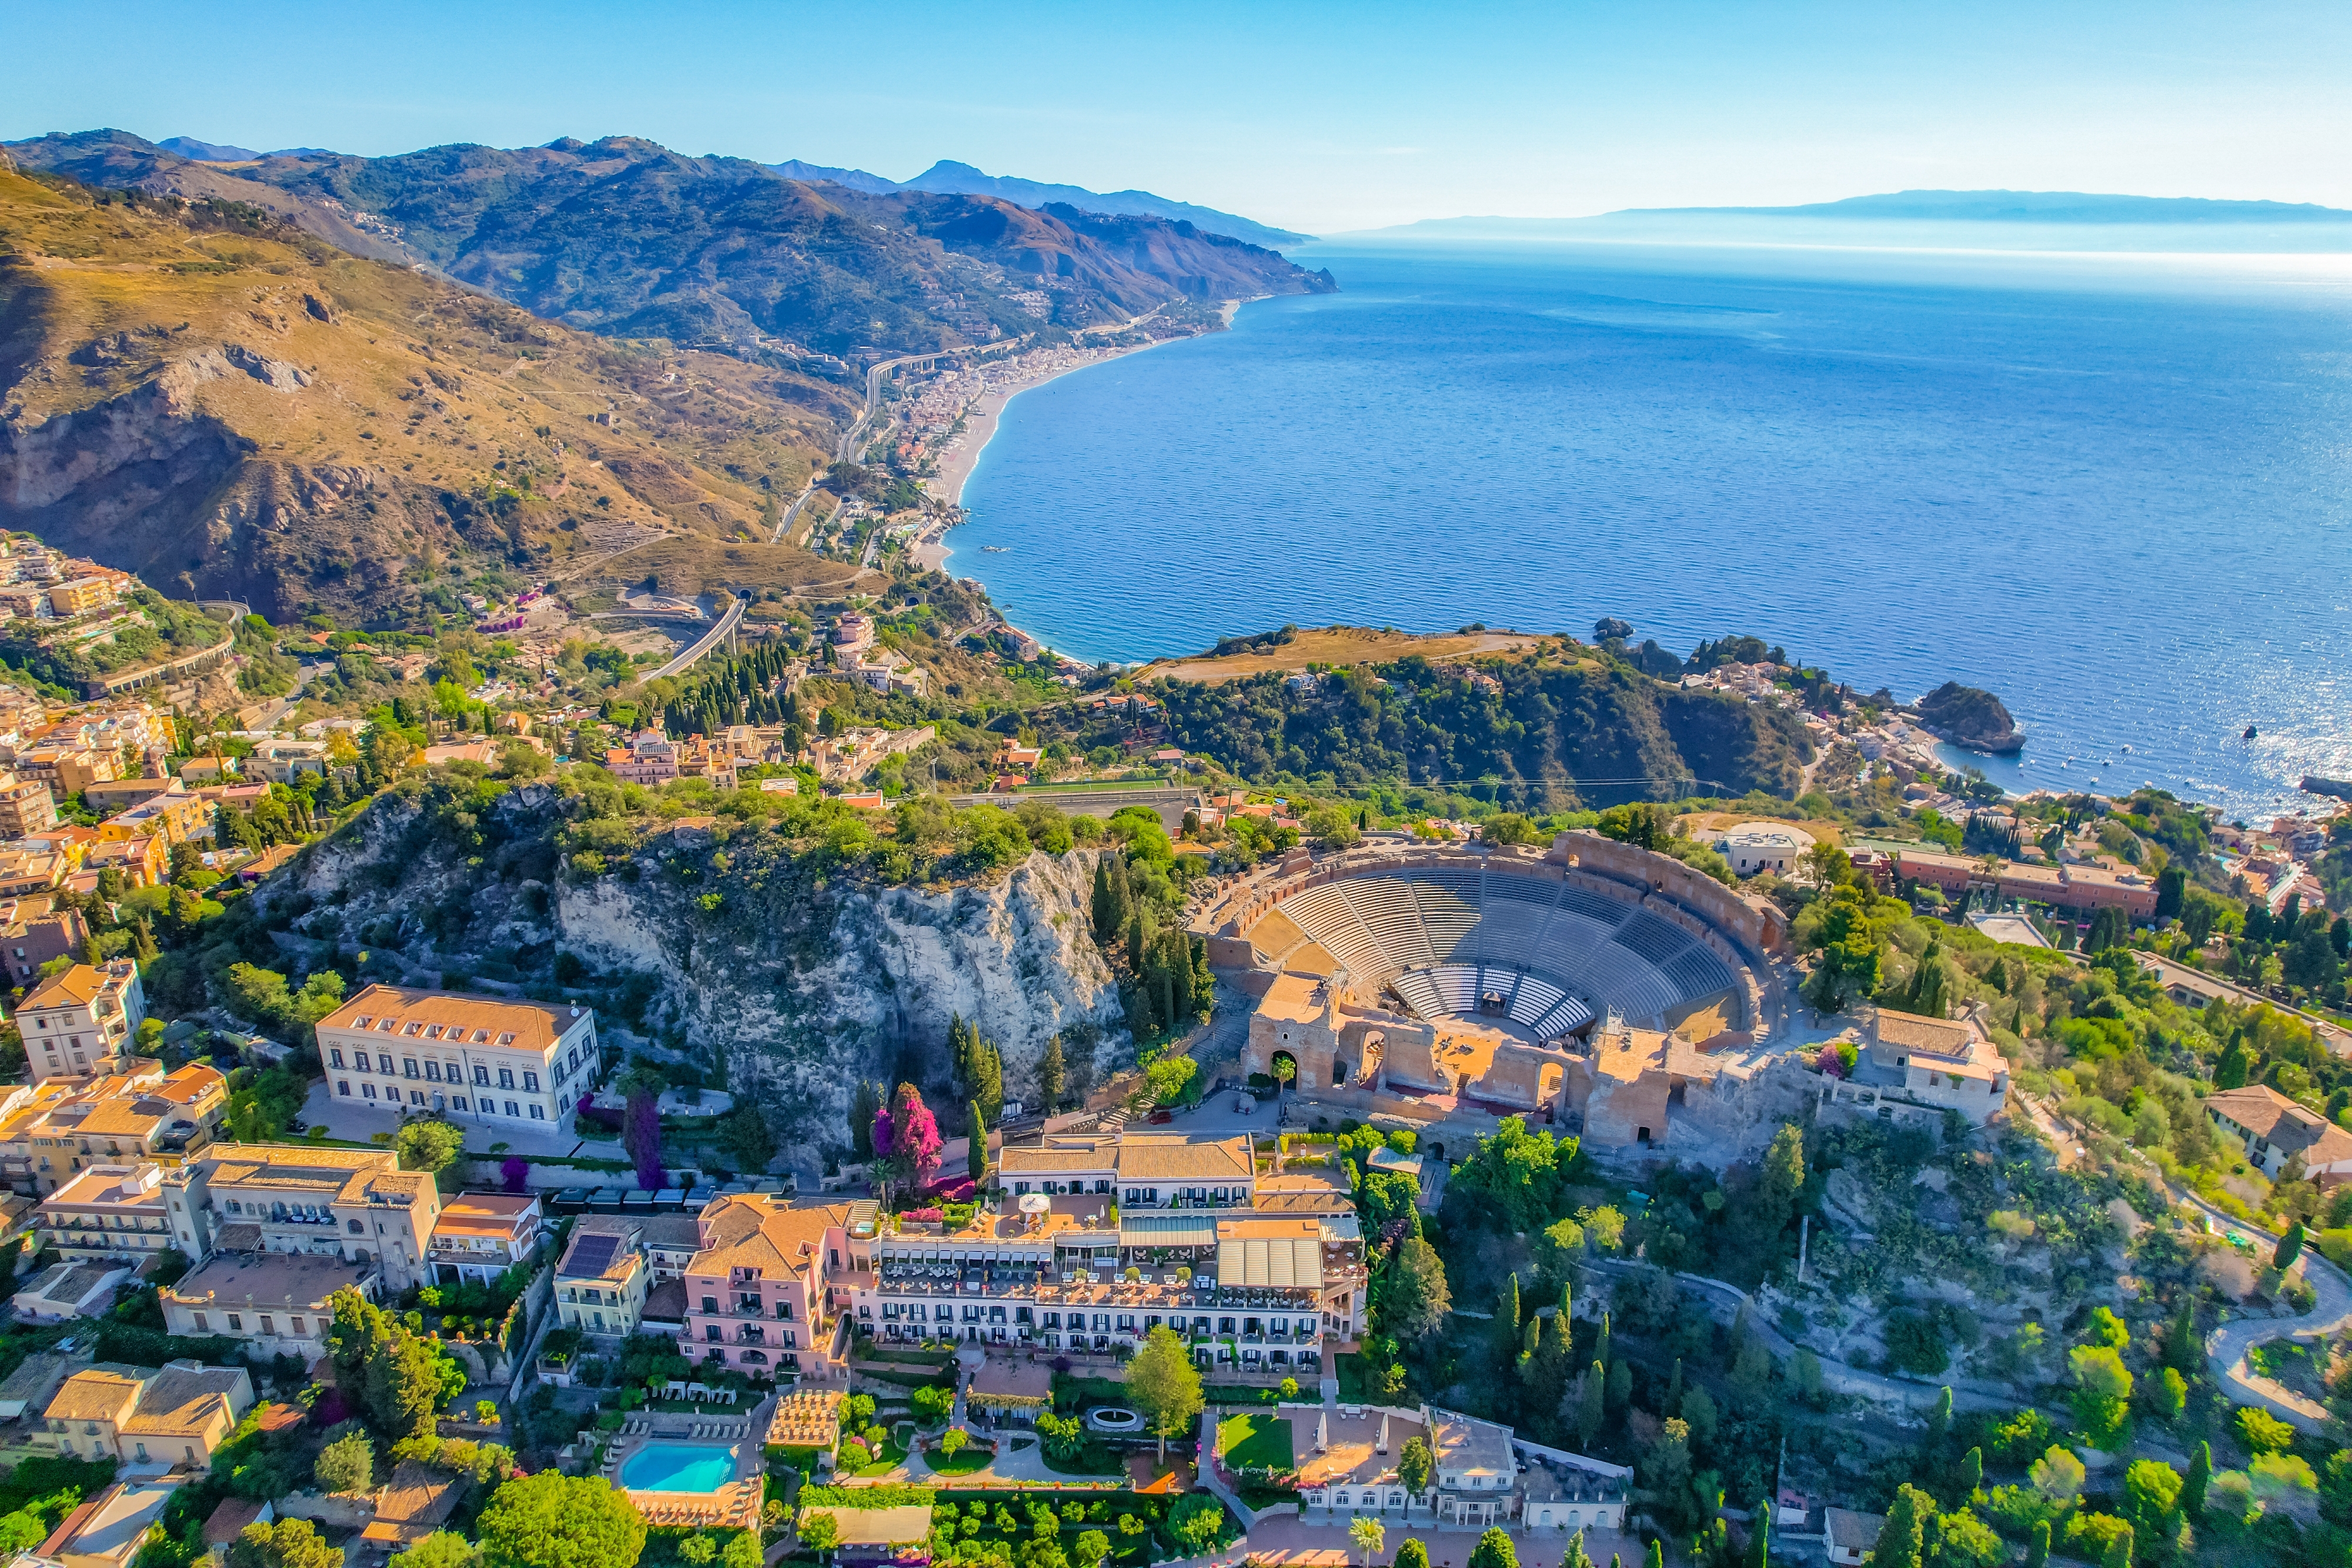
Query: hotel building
[{"x": 485, "y": 1058}]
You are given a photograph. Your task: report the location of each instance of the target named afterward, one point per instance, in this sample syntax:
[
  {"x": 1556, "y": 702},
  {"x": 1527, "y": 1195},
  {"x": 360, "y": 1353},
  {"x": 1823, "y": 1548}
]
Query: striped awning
[
  {"x": 1271, "y": 1262},
  {"x": 1195, "y": 1228}
]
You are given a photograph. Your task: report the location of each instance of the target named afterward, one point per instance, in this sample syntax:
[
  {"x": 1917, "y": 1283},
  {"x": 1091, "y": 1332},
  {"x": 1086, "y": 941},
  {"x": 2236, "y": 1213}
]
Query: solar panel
[{"x": 592, "y": 1255}]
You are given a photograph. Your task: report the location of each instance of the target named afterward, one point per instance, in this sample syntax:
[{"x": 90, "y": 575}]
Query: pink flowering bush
[{"x": 907, "y": 1139}]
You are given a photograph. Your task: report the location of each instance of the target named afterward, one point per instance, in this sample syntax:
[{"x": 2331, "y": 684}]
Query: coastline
[{"x": 961, "y": 457}]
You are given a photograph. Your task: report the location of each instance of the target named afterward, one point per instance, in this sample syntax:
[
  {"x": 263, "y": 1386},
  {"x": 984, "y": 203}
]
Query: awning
[
  {"x": 1276, "y": 1262},
  {"x": 1185, "y": 1228}
]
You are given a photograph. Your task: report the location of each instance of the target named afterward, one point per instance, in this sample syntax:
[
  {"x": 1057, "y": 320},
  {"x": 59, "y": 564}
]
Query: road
[
  {"x": 784, "y": 523},
  {"x": 718, "y": 633}
]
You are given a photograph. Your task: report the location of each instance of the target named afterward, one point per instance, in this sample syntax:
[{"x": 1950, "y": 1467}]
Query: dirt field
[
  {"x": 1342, "y": 645},
  {"x": 1699, "y": 824}
]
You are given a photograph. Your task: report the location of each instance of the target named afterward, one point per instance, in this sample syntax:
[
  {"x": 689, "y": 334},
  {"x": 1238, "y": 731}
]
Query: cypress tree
[
  {"x": 1508, "y": 1319},
  {"x": 1940, "y": 1419},
  {"x": 1204, "y": 984},
  {"x": 976, "y": 1140},
  {"x": 1620, "y": 1385},
  {"x": 1760, "y": 1534},
  {"x": 2037, "y": 1551},
  {"x": 1657, "y": 1554},
  {"x": 2119, "y": 1551},
  {"x": 2192, "y": 1486},
  {"x": 1970, "y": 1477},
  {"x": 2181, "y": 1348},
  {"x": 1600, "y": 1345},
  {"x": 1901, "y": 1537},
  {"x": 1590, "y": 1410},
  {"x": 1139, "y": 945},
  {"x": 2290, "y": 1248},
  {"x": 1050, "y": 1075}
]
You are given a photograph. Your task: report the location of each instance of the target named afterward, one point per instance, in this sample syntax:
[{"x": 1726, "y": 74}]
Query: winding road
[{"x": 724, "y": 627}]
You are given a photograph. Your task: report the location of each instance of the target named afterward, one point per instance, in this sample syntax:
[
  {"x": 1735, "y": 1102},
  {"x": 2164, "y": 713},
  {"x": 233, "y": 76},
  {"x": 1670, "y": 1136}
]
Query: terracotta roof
[
  {"x": 485, "y": 1214},
  {"x": 1858, "y": 1531},
  {"x": 758, "y": 1231},
  {"x": 1024, "y": 1160},
  {"x": 413, "y": 1504},
  {"x": 180, "y": 1399},
  {"x": 106, "y": 1392},
  {"x": 1220, "y": 1160},
  {"x": 76, "y": 987},
  {"x": 1939, "y": 1037},
  {"x": 2279, "y": 1122},
  {"x": 473, "y": 1020},
  {"x": 229, "y": 1519},
  {"x": 190, "y": 1083}
]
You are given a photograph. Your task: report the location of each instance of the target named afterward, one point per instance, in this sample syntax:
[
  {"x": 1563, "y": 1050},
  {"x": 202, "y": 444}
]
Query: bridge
[{"x": 723, "y": 630}]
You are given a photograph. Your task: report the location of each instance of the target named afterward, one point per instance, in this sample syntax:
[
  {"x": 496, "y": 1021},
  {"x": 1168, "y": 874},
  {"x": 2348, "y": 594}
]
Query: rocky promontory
[{"x": 1967, "y": 718}]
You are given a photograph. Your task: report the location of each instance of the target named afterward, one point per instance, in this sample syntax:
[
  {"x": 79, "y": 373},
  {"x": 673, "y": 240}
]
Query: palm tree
[
  {"x": 1284, "y": 1070},
  {"x": 1368, "y": 1536}
]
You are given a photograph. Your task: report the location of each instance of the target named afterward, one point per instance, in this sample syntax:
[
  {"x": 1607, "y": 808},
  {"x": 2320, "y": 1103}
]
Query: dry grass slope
[
  {"x": 1339, "y": 646},
  {"x": 234, "y": 409}
]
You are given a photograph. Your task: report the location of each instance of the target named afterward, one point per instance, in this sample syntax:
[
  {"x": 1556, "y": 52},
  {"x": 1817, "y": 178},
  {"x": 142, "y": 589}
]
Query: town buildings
[
  {"x": 1346, "y": 1462},
  {"x": 766, "y": 1282},
  {"x": 30, "y": 936},
  {"x": 482, "y": 1059},
  {"x": 109, "y": 1530},
  {"x": 279, "y": 1303},
  {"x": 2273, "y": 1131},
  {"x": 602, "y": 1280},
  {"x": 82, "y": 1022},
  {"x": 480, "y": 1235},
  {"x": 51, "y": 1131},
  {"x": 261, "y": 1200},
  {"x": 2082, "y": 888},
  {"x": 1753, "y": 847},
  {"x": 175, "y": 1415},
  {"x": 1936, "y": 1064},
  {"x": 107, "y": 1214}
]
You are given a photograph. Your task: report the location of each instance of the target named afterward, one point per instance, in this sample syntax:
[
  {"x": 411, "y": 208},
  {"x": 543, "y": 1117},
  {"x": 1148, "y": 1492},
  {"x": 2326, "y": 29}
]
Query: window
[
  {"x": 709, "y": 1303},
  {"x": 335, "y": 1058},
  {"x": 235, "y": 1324},
  {"x": 710, "y": 1332},
  {"x": 530, "y": 1081},
  {"x": 268, "y": 1323},
  {"x": 383, "y": 1062},
  {"x": 343, "y": 1087},
  {"x": 416, "y": 1096},
  {"x": 459, "y": 1103},
  {"x": 433, "y": 1072},
  {"x": 481, "y": 1077},
  {"x": 368, "y": 1090},
  {"x": 298, "y": 1328},
  {"x": 357, "y": 1229},
  {"x": 457, "y": 1074},
  {"x": 513, "y": 1109},
  {"x": 538, "y": 1112},
  {"x": 414, "y": 1030},
  {"x": 202, "y": 1326},
  {"x": 506, "y": 1077}
]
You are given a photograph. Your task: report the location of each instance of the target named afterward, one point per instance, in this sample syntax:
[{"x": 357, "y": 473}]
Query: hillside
[
  {"x": 233, "y": 409},
  {"x": 961, "y": 179},
  {"x": 1551, "y": 732},
  {"x": 625, "y": 237}
]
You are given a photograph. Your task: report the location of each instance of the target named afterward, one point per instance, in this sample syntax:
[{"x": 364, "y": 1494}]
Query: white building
[
  {"x": 2273, "y": 1129},
  {"x": 487, "y": 1059},
  {"x": 81, "y": 1022},
  {"x": 1753, "y": 847}
]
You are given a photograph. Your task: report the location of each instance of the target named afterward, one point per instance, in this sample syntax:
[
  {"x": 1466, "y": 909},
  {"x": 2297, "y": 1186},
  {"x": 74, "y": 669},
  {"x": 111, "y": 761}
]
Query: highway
[
  {"x": 718, "y": 633},
  {"x": 784, "y": 523}
]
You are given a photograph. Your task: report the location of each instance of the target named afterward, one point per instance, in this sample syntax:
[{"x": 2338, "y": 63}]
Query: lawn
[
  {"x": 961, "y": 1463},
  {"x": 1254, "y": 1441}
]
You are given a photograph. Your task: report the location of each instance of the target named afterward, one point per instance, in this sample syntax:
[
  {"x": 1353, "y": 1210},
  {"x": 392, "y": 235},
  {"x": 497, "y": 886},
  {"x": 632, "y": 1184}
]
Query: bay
[{"x": 2113, "y": 489}]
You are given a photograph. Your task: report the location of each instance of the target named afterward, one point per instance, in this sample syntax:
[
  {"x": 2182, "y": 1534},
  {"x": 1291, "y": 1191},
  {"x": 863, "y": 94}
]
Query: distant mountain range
[
  {"x": 2025, "y": 207},
  {"x": 945, "y": 178},
  {"x": 2029, "y": 220},
  {"x": 624, "y": 236}
]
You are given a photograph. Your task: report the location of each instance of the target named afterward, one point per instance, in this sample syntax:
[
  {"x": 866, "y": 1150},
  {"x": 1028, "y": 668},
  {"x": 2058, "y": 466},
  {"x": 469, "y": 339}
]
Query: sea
[{"x": 2113, "y": 489}]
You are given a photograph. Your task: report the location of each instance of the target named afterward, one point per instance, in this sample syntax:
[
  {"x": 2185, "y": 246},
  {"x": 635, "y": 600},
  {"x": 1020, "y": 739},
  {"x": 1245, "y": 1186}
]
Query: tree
[
  {"x": 742, "y": 1550},
  {"x": 2119, "y": 1553},
  {"x": 744, "y": 1133},
  {"x": 1590, "y": 1408},
  {"x": 975, "y": 1159},
  {"x": 1494, "y": 1550},
  {"x": 1901, "y": 1538},
  {"x": 2290, "y": 1248},
  {"x": 1415, "y": 1464},
  {"x": 1163, "y": 1381},
  {"x": 2057, "y": 1475},
  {"x": 1970, "y": 1479},
  {"x": 2105, "y": 1328},
  {"x": 2181, "y": 1351},
  {"x": 1284, "y": 1069},
  {"x": 1050, "y": 1077},
  {"x": 2037, "y": 1549},
  {"x": 2200, "y": 1476},
  {"x": 864, "y": 1105},
  {"x": 819, "y": 1531},
  {"x": 696, "y": 1549},
  {"x": 288, "y": 1543},
  {"x": 2263, "y": 1433},
  {"x": 346, "y": 1464},
  {"x": 1090, "y": 1549},
  {"x": 2101, "y": 1396},
  {"x": 2151, "y": 1490},
  {"x": 1417, "y": 1300},
  {"x": 1367, "y": 1536},
  {"x": 554, "y": 1520},
  {"x": 1411, "y": 1554},
  {"x": 952, "y": 1441},
  {"x": 441, "y": 1549},
  {"x": 434, "y": 1147},
  {"x": 642, "y": 1132},
  {"x": 1197, "y": 1520},
  {"x": 907, "y": 1140}
]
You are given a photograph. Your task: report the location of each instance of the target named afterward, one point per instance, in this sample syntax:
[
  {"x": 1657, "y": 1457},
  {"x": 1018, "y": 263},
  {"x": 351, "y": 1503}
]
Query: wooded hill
[{"x": 1550, "y": 733}]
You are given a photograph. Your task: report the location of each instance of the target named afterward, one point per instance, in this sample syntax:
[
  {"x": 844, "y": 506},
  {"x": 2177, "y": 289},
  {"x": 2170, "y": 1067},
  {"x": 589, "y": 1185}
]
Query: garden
[{"x": 1039, "y": 1529}]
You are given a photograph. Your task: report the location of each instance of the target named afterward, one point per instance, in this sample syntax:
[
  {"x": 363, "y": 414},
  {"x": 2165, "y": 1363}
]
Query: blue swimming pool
[{"x": 678, "y": 1467}]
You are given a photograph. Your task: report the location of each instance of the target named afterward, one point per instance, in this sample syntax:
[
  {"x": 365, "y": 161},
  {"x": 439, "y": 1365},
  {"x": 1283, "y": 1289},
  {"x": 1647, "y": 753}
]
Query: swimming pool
[{"x": 678, "y": 1467}]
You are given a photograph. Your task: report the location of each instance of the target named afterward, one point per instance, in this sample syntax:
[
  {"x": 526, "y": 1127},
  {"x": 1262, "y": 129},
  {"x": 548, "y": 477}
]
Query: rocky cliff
[
  {"x": 732, "y": 946},
  {"x": 1970, "y": 719}
]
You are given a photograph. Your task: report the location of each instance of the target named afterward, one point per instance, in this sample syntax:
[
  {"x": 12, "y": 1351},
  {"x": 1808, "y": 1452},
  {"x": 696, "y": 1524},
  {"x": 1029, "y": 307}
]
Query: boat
[
  {"x": 2249, "y": 735},
  {"x": 997, "y": 549}
]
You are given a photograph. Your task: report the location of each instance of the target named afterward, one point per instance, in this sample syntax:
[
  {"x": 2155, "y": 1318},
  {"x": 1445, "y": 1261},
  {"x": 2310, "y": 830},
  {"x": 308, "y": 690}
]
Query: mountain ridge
[{"x": 628, "y": 238}]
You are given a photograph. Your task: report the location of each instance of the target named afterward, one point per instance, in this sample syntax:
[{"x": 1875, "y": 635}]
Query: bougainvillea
[
  {"x": 643, "y": 1137},
  {"x": 907, "y": 1139}
]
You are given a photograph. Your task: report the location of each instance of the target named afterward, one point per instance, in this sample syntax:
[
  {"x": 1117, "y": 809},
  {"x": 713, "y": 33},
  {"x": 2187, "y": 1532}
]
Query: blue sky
[{"x": 1321, "y": 117}]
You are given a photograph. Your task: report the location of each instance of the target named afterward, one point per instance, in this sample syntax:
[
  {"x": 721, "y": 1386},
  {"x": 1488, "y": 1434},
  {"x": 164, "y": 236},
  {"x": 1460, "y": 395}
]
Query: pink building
[{"x": 766, "y": 1282}]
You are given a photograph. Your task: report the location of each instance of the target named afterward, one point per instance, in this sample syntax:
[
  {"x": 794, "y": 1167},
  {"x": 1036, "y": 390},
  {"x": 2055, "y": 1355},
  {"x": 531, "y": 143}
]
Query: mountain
[
  {"x": 856, "y": 179},
  {"x": 205, "y": 395},
  {"x": 946, "y": 178},
  {"x": 2026, "y": 207},
  {"x": 625, "y": 237},
  {"x": 207, "y": 151}
]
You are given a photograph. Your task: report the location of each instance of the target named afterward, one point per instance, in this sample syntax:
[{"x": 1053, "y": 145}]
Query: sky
[{"x": 1319, "y": 117}]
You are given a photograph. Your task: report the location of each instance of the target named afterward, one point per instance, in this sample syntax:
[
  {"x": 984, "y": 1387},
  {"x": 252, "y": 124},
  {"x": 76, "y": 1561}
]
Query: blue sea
[{"x": 2116, "y": 490}]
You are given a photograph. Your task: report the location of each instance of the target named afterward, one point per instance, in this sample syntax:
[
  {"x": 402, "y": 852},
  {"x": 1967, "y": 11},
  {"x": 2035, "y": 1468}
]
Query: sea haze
[{"x": 2114, "y": 489}]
